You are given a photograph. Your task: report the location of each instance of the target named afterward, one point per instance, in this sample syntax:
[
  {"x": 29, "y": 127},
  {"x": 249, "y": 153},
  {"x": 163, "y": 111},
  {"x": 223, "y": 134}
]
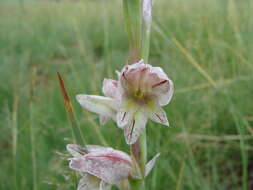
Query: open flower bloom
[
  {"x": 138, "y": 96},
  {"x": 102, "y": 167}
]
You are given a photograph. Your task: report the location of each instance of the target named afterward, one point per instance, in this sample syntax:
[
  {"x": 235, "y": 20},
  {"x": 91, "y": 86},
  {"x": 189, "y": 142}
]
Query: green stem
[
  {"x": 137, "y": 17},
  {"x": 139, "y": 152},
  {"x": 133, "y": 20}
]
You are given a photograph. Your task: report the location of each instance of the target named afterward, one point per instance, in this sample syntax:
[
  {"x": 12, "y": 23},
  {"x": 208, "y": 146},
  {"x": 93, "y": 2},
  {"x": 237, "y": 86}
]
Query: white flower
[
  {"x": 135, "y": 98},
  {"x": 102, "y": 167}
]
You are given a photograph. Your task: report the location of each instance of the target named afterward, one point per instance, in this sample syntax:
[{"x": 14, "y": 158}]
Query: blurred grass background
[{"x": 205, "y": 47}]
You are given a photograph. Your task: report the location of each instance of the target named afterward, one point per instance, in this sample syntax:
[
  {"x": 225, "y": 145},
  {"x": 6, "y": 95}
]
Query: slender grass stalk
[
  {"x": 97, "y": 130},
  {"x": 75, "y": 127},
  {"x": 32, "y": 132},
  {"x": 241, "y": 124},
  {"x": 14, "y": 138}
]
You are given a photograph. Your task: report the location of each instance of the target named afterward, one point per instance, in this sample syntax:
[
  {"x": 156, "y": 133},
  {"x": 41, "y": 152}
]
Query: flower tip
[
  {"x": 75, "y": 164},
  {"x": 69, "y": 146}
]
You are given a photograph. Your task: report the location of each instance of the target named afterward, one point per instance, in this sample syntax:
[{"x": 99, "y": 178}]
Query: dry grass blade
[
  {"x": 76, "y": 131},
  {"x": 218, "y": 84},
  {"x": 194, "y": 62},
  {"x": 66, "y": 98},
  {"x": 214, "y": 138},
  {"x": 15, "y": 137},
  {"x": 181, "y": 175}
]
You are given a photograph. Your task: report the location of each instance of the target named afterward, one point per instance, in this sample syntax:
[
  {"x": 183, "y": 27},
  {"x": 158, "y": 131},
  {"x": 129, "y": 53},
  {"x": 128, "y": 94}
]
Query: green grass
[{"x": 205, "y": 47}]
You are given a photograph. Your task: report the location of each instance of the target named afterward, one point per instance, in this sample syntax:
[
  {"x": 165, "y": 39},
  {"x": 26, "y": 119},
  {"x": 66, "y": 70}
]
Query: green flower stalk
[
  {"x": 133, "y": 20},
  {"x": 138, "y": 17}
]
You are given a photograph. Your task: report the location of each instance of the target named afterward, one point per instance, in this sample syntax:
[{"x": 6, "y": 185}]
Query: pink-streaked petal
[
  {"x": 159, "y": 72},
  {"x": 134, "y": 128},
  {"x": 157, "y": 114},
  {"x": 123, "y": 118},
  {"x": 110, "y": 88},
  {"x": 89, "y": 182},
  {"x": 103, "y": 119},
  {"x": 149, "y": 166},
  {"x": 107, "y": 152},
  {"x": 125, "y": 84},
  {"x": 163, "y": 91},
  {"x": 131, "y": 75},
  {"x": 98, "y": 104},
  {"x": 126, "y": 112},
  {"x": 111, "y": 167},
  {"x": 76, "y": 150},
  {"x": 97, "y": 149}
]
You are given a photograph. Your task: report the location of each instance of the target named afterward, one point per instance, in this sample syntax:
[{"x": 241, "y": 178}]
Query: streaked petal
[
  {"x": 98, "y": 104},
  {"x": 149, "y": 166},
  {"x": 126, "y": 112},
  {"x": 109, "y": 166},
  {"x": 110, "y": 88},
  {"x": 131, "y": 75},
  {"x": 76, "y": 150},
  {"x": 134, "y": 128},
  {"x": 97, "y": 148},
  {"x": 123, "y": 118},
  {"x": 157, "y": 114},
  {"x": 89, "y": 182},
  {"x": 163, "y": 91}
]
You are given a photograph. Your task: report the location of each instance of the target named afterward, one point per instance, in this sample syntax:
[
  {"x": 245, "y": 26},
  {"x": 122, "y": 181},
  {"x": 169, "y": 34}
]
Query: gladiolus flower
[
  {"x": 138, "y": 96},
  {"x": 102, "y": 167}
]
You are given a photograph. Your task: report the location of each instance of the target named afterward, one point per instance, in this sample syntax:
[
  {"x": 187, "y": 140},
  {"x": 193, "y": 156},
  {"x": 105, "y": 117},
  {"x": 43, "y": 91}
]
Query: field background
[{"x": 206, "y": 48}]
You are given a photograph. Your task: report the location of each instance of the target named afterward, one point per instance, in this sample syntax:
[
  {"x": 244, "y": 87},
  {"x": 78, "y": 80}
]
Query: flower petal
[
  {"x": 131, "y": 75},
  {"x": 163, "y": 91},
  {"x": 123, "y": 118},
  {"x": 75, "y": 150},
  {"x": 110, "y": 88},
  {"x": 89, "y": 182},
  {"x": 111, "y": 166},
  {"x": 126, "y": 111},
  {"x": 134, "y": 128},
  {"x": 157, "y": 114},
  {"x": 97, "y": 148},
  {"x": 98, "y": 104},
  {"x": 149, "y": 166}
]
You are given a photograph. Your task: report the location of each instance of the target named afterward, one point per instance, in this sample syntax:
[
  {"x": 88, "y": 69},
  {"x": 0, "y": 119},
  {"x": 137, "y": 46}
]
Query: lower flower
[{"x": 102, "y": 167}]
